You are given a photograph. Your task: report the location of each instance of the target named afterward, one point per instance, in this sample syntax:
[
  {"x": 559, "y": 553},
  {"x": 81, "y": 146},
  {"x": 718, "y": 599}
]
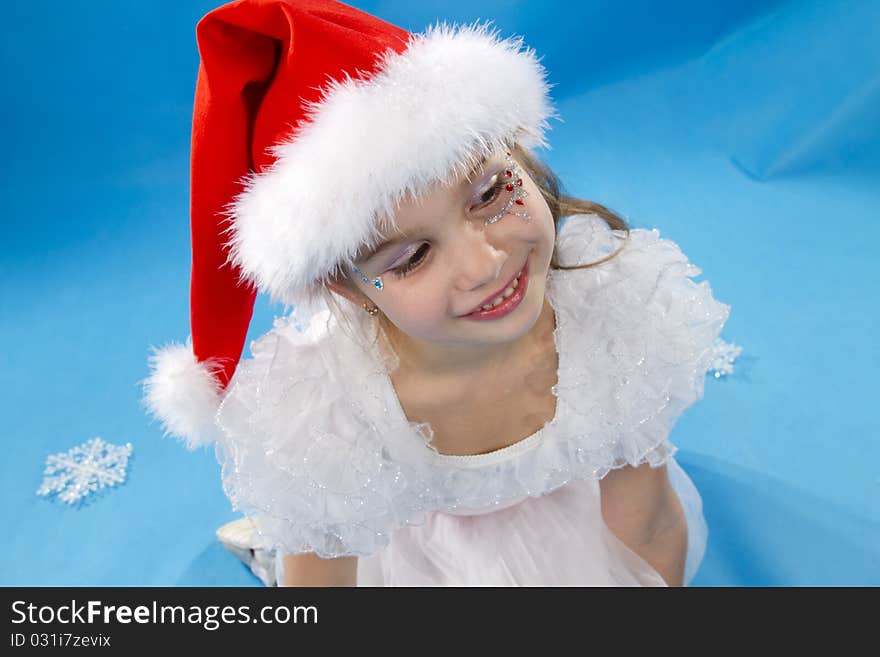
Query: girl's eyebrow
[{"x": 403, "y": 237}]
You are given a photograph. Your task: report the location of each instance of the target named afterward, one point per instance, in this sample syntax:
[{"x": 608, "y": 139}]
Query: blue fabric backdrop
[{"x": 747, "y": 131}]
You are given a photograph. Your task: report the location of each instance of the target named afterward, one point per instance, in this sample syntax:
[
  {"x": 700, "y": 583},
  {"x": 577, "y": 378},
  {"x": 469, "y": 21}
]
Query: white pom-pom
[{"x": 183, "y": 394}]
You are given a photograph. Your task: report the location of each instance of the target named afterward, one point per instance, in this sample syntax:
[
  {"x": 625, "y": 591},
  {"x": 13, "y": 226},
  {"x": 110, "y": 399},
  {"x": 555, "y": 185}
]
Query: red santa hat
[{"x": 312, "y": 120}]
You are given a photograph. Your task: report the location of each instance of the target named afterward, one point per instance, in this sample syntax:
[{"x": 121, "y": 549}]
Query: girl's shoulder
[
  {"x": 647, "y": 278},
  {"x": 587, "y": 238},
  {"x": 302, "y": 450},
  {"x": 637, "y": 338}
]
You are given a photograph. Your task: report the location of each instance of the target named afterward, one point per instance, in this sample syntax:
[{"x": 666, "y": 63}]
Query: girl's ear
[{"x": 346, "y": 288}]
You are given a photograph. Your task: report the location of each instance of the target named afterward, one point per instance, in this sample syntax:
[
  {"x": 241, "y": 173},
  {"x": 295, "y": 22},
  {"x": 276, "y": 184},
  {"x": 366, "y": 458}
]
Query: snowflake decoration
[
  {"x": 82, "y": 470},
  {"x": 723, "y": 355}
]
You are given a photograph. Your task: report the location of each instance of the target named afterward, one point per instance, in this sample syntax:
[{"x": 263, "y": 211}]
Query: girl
[{"x": 480, "y": 376}]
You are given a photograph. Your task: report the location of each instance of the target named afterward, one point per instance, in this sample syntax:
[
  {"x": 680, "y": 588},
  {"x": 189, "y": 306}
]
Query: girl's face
[{"x": 463, "y": 244}]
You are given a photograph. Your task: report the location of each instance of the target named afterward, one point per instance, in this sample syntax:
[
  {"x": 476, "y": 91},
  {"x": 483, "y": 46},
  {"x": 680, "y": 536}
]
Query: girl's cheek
[{"x": 417, "y": 309}]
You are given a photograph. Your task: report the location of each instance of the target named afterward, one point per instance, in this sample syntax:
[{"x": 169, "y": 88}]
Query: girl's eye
[
  {"x": 412, "y": 263},
  {"x": 493, "y": 192},
  {"x": 497, "y": 200}
]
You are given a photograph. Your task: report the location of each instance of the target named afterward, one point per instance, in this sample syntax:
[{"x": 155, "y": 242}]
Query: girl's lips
[{"x": 510, "y": 302}]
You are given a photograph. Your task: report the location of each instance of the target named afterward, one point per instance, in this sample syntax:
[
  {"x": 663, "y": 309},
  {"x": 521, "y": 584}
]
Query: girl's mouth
[{"x": 507, "y": 301}]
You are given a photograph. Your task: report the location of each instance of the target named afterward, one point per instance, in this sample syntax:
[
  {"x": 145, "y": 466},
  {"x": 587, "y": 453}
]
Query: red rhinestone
[
  {"x": 519, "y": 182},
  {"x": 509, "y": 187},
  {"x": 508, "y": 174},
  {"x": 518, "y": 202}
]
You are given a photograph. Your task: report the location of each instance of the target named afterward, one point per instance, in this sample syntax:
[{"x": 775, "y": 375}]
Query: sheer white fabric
[
  {"x": 316, "y": 448},
  {"x": 495, "y": 547}
]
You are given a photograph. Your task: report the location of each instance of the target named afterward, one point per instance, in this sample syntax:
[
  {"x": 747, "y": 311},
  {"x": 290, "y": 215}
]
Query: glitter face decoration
[
  {"x": 513, "y": 186},
  {"x": 508, "y": 198},
  {"x": 377, "y": 282}
]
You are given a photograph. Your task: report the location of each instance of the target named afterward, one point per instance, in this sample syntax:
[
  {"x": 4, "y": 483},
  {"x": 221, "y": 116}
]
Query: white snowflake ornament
[
  {"x": 82, "y": 470},
  {"x": 723, "y": 355}
]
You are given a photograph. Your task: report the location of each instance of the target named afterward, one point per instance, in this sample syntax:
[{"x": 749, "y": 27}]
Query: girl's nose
[{"x": 476, "y": 261}]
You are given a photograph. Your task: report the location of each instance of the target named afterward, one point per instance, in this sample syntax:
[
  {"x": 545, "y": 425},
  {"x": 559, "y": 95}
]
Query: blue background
[{"x": 746, "y": 131}]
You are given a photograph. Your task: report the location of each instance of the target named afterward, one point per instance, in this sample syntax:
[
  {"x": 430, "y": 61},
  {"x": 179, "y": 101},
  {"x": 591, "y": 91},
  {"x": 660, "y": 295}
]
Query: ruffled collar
[{"x": 628, "y": 365}]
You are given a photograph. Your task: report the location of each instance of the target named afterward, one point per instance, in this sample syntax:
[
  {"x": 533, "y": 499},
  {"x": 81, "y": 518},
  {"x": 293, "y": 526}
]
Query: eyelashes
[
  {"x": 410, "y": 264},
  {"x": 495, "y": 189}
]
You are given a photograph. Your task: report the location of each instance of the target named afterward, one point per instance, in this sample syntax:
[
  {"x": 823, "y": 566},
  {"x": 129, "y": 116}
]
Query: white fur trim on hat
[
  {"x": 183, "y": 394},
  {"x": 430, "y": 114}
]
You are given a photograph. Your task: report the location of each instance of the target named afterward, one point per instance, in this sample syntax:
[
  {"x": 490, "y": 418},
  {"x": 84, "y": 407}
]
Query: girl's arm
[
  {"x": 642, "y": 509},
  {"x": 308, "y": 569}
]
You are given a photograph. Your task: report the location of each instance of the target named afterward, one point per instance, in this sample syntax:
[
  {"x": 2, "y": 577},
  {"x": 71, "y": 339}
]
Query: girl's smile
[{"x": 506, "y": 301}]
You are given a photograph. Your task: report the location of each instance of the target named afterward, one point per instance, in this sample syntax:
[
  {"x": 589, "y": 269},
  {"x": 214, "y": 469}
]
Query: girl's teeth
[{"x": 506, "y": 294}]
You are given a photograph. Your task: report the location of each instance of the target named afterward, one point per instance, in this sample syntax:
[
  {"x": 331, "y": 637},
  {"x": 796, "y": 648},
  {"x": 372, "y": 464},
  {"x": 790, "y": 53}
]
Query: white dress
[{"x": 317, "y": 451}]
